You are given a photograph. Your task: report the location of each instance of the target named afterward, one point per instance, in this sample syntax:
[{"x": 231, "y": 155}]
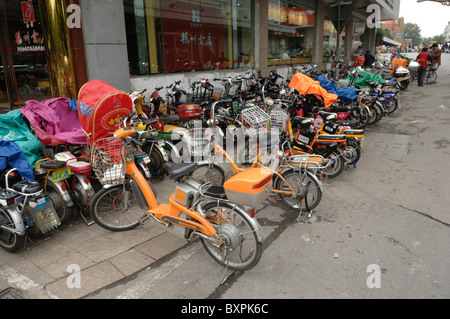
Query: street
[{"x": 380, "y": 231}]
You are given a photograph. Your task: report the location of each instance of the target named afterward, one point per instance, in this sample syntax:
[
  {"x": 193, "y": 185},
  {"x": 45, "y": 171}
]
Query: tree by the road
[{"x": 412, "y": 31}]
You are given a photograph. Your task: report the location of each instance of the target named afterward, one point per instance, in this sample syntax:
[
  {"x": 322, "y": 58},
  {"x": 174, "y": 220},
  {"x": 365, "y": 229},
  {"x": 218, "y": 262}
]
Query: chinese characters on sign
[
  {"x": 193, "y": 35},
  {"x": 187, "y": 38},
  {"x": 28, "y": 40}
]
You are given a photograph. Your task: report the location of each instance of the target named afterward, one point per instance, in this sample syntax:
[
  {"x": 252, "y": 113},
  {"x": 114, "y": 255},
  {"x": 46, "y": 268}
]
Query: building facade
[
  {"x": 447, "y": 32},
  {"x": 57, "y": 45}
]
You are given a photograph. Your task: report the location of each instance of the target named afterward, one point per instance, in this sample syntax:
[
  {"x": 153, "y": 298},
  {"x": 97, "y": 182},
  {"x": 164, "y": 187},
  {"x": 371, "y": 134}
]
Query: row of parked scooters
[{"x": 313, "y": 113}]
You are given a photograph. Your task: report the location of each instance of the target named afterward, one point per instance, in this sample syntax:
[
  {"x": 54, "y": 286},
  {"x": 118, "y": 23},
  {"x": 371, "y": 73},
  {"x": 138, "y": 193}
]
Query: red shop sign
[
  {"x": 193, "y": 36},
  {"x": 28, "y": 13}
]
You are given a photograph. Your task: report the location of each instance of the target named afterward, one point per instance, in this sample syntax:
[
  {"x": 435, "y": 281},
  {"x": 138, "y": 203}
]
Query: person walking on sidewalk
[{"x": 422, "y": 59}]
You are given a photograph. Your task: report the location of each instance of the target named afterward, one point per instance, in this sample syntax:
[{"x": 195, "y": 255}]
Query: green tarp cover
[
  {"x": 367, "y": 76},
  {"x": 14, "y": 128}
]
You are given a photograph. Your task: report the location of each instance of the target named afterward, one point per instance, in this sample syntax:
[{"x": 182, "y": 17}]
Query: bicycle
[
  {"x": 230, "y": 235},
  {"x": 293, "y": 182},
  {"x": 431, "y": 76}
]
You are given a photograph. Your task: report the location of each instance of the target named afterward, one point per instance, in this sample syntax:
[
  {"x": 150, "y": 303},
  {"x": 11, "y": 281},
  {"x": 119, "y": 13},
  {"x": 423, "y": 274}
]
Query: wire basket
[
  {"x": 199, "y": 141},
  {"x": 108, "y": 161},
  {"x": 279, "y": 118},
  {"x": 255, "y": 120}
]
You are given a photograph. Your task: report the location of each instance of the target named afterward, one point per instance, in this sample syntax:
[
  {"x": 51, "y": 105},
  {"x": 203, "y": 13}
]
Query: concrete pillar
[
  {"x": 105, "y": 42},
  {"x": 318, "y": 41},
  {"x": 349, "y": 34},
  {"x": 262, "y": 36},
  {"x": 368, "y": 39}
]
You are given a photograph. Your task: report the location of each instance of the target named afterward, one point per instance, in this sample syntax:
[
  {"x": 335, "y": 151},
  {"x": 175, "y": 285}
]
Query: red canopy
[{"x": 100, "y": 107}]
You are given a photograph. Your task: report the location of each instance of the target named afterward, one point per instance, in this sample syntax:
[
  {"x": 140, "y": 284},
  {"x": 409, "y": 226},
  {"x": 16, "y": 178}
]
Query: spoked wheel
[
  {"x": 156, "y": 162},
  {"x": 337, "y": 165},
  {"x": 304, "y": 184},
  {"x": 392, "y": 106},
  {"x": 209, "y": 173},
  {"x": 9, "y": 240},
  {"x": 239, "y": 246},
  {"x": 363, "y": 118},
  {"x": 376, "y": 115},
  {"x": 115, "y": 208},
  {"x": 353, "y": 151},
  {"x": 431, "y": 77}
]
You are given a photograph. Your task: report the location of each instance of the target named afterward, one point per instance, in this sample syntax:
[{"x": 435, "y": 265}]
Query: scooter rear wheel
[
  {"x": 337, "y": 166},
  {"x": 8, "y": 240},
  {"x": 241, "y": 247}
]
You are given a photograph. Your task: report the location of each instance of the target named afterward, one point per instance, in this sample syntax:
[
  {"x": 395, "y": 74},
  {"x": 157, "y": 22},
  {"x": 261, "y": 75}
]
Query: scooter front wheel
[
  {"x": 239, "y": 246},
  {"x": 115, "y": 208}
]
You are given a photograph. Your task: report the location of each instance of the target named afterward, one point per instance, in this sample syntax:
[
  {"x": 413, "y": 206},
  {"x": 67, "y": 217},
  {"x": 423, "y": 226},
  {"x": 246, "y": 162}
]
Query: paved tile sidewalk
[{"x": 103, "y": 257}]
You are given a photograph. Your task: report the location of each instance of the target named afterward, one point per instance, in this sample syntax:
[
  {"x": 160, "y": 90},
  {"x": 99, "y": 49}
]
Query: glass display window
[
  {"x": 291, "y": 33},
  {"x": 24, "y": 65},
  {"x": 176, "y": 36}
]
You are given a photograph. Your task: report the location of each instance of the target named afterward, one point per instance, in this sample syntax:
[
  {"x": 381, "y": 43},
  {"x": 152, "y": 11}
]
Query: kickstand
[
  {"x": 89, "y": 223},
  {"x": 302, "y": 220},
  {"x": 224, "y": 278}
]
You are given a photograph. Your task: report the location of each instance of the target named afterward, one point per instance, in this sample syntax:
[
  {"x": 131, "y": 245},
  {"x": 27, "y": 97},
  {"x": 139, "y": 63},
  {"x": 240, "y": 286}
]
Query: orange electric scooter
[{"x": 217, "y": 215}]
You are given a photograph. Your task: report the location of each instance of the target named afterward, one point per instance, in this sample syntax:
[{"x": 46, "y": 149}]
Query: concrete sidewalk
[{"x": 104, "y": 257}]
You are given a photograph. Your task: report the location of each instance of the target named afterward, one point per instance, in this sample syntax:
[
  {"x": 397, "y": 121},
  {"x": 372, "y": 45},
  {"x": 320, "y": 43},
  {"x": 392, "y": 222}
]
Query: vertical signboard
[{"x": 27, "y": 35}]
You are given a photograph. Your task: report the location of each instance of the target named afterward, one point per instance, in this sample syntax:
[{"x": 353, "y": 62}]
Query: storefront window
[
  {"x": 330, "y": 42},
  {"x": 173, "y": 36},
  {"x": 24, "y": 54},
  {"x": 291, "y": 33}
]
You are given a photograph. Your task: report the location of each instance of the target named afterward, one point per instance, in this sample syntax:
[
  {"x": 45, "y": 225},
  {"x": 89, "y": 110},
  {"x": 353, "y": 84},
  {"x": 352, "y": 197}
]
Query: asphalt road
[{"x": 381, "y": 230}]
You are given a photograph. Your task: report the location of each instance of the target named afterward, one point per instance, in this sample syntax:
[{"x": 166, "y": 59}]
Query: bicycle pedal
[{"x": 144, "y": 218}]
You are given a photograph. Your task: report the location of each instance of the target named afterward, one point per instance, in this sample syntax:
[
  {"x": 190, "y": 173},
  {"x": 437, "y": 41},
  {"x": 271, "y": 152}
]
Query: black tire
[
  {"x": 392, "y": 106},
  {"x": 310, "y": 195},
  {"x": 65, "y": 212},
  {"x": 431, "y": 77},
  {"x": 353, "y": 151},
  {"x": 376, "y": 114},
  {"x": 107, "y": 209},
  {"x": 363, "y": 119},
  {"x": 209, "y": 173},
  {"x": 404, "y": 85},
  {"x": 337, "y": 166},
  {"x": 9, "y": 241},
  {"x": 238, "y": 234},
  {"x": 156, "y": 165},
  {"x": 379, "y": 112}
]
